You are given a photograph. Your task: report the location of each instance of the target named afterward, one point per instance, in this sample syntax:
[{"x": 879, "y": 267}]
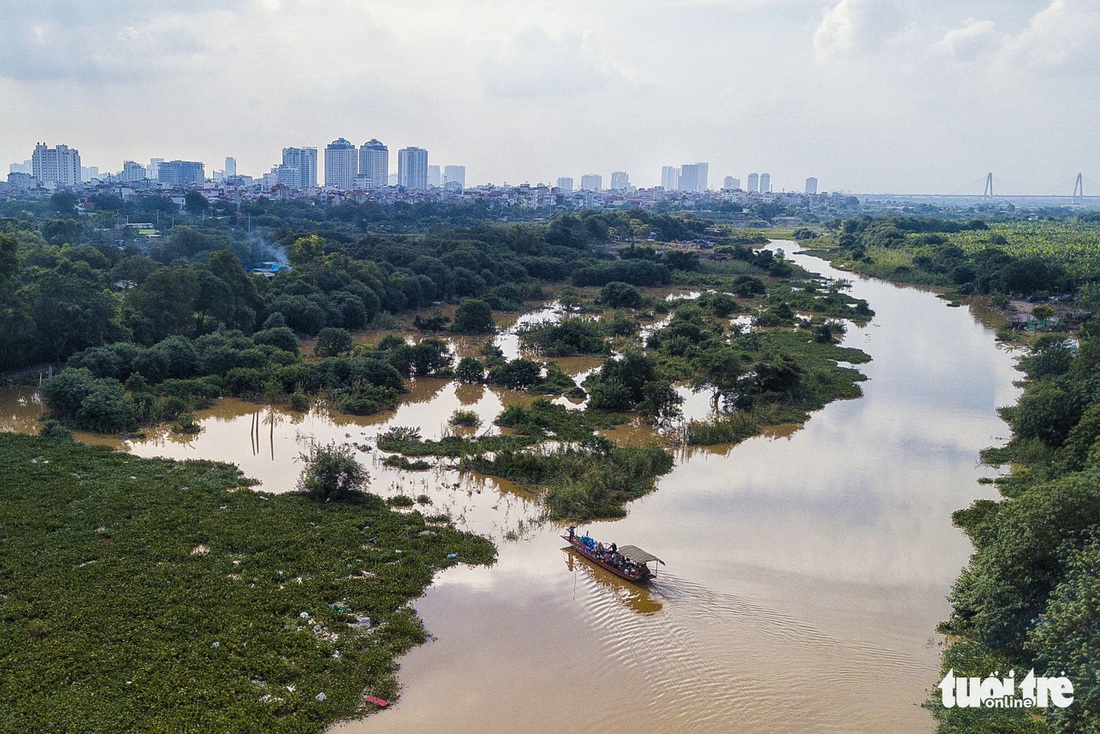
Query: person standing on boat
[{"x": 572, "y": 532}]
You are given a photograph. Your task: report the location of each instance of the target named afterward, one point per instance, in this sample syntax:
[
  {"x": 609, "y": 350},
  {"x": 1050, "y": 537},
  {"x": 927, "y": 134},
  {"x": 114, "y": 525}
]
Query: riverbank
[{"x": 148, "y": 594}]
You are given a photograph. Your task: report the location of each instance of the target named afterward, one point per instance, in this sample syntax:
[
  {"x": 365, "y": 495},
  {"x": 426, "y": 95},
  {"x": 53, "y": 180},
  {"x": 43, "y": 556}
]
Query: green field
[
  {"x": 1074, "y": 245},
  {"x": 160, "y": 596}
]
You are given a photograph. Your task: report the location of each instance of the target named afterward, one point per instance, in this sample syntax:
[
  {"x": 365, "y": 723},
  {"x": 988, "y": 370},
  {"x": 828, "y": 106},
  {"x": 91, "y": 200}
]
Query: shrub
[
  {"x": 367, "y": 400},
  {"x": 466, "y": 418},
  {"x": 400, "y": 462},
  {"x": 333, "y": 341},
  {"x": 470, "y": 370},
  {"x": 617, "y": 294},
  {"x": 186, "y": 423},
  {"x": 299, "y": 401},
  {"x": 281, "y": 337},
  {"x": 331, "y": 473},
  {"x": 54, "y": 429},
  {"x": 473, "y": 317}
]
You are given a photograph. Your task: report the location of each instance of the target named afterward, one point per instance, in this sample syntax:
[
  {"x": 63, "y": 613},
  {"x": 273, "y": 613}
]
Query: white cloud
[
  {"x": 852, "y": 27},
  {"x": 534, "y": 64},
  {"x": 975, "y": 38},
  {"x": 1065, "y": 32}
]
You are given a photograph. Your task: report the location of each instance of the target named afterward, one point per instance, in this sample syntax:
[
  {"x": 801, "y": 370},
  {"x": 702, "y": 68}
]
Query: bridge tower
[{"x": 988, "y": 184}]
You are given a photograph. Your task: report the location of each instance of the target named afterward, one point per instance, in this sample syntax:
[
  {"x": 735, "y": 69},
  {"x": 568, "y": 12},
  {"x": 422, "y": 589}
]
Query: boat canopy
[{"x": 636, "y": 554}]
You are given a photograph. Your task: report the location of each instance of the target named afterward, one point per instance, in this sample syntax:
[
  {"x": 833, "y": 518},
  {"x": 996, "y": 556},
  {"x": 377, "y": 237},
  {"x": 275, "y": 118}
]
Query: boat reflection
[{"x": 636, "y": 598}]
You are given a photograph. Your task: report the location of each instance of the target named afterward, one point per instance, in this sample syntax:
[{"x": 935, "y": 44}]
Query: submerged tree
[{"x": 332, "y": 473}]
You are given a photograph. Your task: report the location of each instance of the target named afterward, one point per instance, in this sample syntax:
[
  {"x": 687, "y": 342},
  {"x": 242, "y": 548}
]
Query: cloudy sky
[{"x": 868, "y": 95}]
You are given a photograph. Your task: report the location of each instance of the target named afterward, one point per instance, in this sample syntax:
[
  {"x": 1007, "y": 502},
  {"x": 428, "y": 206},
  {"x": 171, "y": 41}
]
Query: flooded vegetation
[
  {"x": 134, "y": 575},
  {"x": 790, "y": 554}
]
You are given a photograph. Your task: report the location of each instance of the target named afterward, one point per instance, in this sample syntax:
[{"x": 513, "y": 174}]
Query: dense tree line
[
  {"x": 60, "y": 295},
  {"x": 986, "y": 271},
  {"x": 1028, "y": 597}
]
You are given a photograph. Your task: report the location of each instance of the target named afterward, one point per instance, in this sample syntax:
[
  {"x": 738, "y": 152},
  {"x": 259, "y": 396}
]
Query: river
[{"x": 806, "y": 570}]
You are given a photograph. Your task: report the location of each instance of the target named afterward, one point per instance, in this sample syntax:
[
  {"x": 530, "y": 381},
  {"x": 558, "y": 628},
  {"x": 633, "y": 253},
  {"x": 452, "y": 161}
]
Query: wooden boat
[{"x": 628, "y": 561}]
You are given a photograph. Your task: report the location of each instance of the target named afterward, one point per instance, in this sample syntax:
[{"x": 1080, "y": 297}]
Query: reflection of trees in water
[
  {"x": 267, "y": 422},
  {"x": 469, "y": 394},
  {"x": 632, "y": 596}
]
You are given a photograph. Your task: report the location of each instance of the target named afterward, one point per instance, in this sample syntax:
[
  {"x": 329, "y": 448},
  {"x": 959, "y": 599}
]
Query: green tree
[
  {"x": 569, "y": 298},
  {"x": 165, "y": 303},
  {"x": 331, "y": 473},
  {"x": 9, "y": 259},
  {"x": 72, "y": 311},
  {"x": 64, "y": 202},
  {"x": 214, "y": 302},
  {"x": 1047, "y": 411},
  {"x": 333, "y": 341},
  {"x": 246, "y": 303},
  {"x": 473, "y": 317},
  {"x": 281, "y": 337},
  {"x": 617, "y": 294},
  {"x": 195, "y": 203},
  {"x": 470, "y": 370},
  {"x": 306, "y": 250},
  {"x": 61, "y": 231}
]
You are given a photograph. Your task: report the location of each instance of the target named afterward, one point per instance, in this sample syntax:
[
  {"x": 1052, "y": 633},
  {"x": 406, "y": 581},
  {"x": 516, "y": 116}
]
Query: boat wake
[{"x": 719, "y": 662}]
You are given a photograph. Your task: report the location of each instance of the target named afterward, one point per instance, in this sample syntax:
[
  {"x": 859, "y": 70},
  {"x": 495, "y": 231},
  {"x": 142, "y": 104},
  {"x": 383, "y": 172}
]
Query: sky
[{"x": 869, "y": 96}]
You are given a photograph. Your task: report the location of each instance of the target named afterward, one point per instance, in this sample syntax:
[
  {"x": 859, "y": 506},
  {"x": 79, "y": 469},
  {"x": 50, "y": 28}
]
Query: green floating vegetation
[
  {"x": 153, "y": 595},
  {"x": 587, "y": 476},
  {"x": 728, "y": 429},
  {"x": 400, "y": 462},
  {"x": 587, "y": 482},
  {"x": 407, "y": 441},
  {"x": 465, "y": 419}
]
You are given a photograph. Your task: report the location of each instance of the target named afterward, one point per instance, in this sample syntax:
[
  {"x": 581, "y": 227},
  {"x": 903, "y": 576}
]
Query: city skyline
[
  {"x": 360, "y": 168},
  {"x": 886, "y": 96}
]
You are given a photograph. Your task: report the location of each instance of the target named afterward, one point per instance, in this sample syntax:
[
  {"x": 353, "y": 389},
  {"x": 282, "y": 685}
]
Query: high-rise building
[
  {"x": 24, "y": 167},
  {"x": 287, "y": 175},
  {"x": 59, "y": 166},
  {"x": 693, "y": 177},
  {"x": 754, "y": 182},
  {"x": 89, "y": 173},
  {"x": 811, "y": 185},
  {"x": 303, "y": 161},
  {"x": 731, "y": 183},
  {"x": 181, "y": 173},
  {"x": 374, "y": 164},
  {"x": 591, "y": 182},
  {"x": 670, "y": 178},
  {"x": 341, "y": 164},
  {"x": 565, "y": 183},
  {"x": 412, "y": 168},
  {"x": 620, "y": 181},
  {"x": 153, "y": 170},
  {"x": 230, "y": 166},
  {"x": 765, "y": 183},
  {"x": 435, "y": 176},
  {"x": 454, "y": 177},
  {"x": 132, "y": 172}
]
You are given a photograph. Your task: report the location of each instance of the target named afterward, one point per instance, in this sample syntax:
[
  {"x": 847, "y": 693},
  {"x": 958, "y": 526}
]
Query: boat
[{"x": 628, "y": 561}]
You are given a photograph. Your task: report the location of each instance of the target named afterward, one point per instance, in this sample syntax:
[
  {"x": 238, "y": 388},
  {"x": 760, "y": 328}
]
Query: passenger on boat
[
  {"x": 572, "y": 531},
  {"x": 614, "y": 548}
]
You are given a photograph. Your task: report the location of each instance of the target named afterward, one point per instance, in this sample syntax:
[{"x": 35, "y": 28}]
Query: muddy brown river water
[{"x": 806, "y": 570}]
